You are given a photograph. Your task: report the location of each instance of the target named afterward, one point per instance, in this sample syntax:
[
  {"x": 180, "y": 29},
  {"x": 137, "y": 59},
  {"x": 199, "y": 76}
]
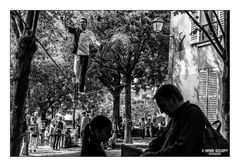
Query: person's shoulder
[
  {"x": 193, "y": 107},
  {"x": 194, "y": 110},
  {"x": 89, "y": 32}
]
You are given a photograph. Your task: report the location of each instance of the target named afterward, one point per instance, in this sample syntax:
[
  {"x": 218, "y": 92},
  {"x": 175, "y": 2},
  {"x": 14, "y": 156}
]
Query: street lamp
[{"x": 158, "y": 24}]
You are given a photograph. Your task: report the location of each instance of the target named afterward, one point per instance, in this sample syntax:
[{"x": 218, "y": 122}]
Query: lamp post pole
[{"x": 157, "y": 26}]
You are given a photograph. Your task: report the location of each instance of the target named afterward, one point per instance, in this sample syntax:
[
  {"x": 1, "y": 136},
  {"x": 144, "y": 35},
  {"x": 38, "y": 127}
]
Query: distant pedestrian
[
  {"x": 142, "y": 127},
  {"x": 97, "y": 131},
  {"x": 63, "y": 133},
  {"x": 46, "y": 136},
  {"x": 26, "y": 135},
  {"x": 51, "y": 132},
  {"x": 68, "y": 138},
  {"x": 84, "y": 122},
  {"x": 57, "y": 136},
  {"x": 148, "y": 127},
  {"x": 78, "y": 125},
  {"x": 34, "y": 131}
]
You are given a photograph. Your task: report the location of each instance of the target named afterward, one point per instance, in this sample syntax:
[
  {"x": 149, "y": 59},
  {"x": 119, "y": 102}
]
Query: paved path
[{"x": 46, "y": 151}]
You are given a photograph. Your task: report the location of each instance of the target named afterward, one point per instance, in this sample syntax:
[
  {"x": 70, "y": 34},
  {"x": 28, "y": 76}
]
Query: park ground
[{"x": 46, "y": 151}]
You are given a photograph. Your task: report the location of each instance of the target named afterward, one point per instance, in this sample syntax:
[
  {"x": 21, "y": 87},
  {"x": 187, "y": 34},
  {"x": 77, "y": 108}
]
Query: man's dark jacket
[
  {"x": 76, "y": 32},
  {"x": 93, "y": 149},
  {"x": 183, "y": 134}
]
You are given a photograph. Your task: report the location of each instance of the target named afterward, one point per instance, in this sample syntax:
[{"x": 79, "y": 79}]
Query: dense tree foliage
[{"x": 130, "y": 49}]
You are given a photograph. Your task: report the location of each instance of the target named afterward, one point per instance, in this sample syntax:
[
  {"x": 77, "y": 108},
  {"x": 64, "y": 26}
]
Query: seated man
[{"x": 183, "y": 134}]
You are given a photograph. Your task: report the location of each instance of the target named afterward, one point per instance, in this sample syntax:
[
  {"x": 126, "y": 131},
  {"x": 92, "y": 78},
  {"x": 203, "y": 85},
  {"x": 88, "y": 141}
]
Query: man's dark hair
[
  {"x": 168, "y": 91},
  {"x": 83, "y": 18}
]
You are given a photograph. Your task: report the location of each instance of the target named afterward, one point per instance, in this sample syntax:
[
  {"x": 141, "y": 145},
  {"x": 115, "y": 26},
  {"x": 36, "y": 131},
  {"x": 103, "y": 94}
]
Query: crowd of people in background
[
  {"x": 150, "y": 127},
  {"x": 38, "y": 132},
  {"x": 55, "y": 134}
]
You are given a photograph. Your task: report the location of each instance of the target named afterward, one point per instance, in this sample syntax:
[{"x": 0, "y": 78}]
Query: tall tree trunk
[
  {"x": 25, "y": 51},
  {"x": 128, "y": 123},
  {"x": 116, "y": 109},
  {"x": 226, "y": 79},
  {"x": 24, "y": 55}
]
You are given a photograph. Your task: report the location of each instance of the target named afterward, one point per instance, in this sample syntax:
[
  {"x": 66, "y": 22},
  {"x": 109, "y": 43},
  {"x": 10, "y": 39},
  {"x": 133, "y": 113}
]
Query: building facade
[{"x": 194, "y": 65}]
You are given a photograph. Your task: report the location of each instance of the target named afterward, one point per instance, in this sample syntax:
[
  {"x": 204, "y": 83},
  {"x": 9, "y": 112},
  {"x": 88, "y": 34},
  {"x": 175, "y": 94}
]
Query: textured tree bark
[
  {"x": 116, "y": 109},
  {"x": 25, "y": 51},
  {"x": 24, "y": 55},
  {"x": 128, "y": 123}
]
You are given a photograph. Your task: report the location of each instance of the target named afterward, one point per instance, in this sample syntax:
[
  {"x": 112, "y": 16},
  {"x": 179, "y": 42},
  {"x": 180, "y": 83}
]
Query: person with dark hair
[
  {"x": 142, "y": 127},
  {"x": 97, "y": 131},
  {"x": 57, "y": 136},
  {"x": 183, "y": 134},
  {"x": 82, "y": 39}
]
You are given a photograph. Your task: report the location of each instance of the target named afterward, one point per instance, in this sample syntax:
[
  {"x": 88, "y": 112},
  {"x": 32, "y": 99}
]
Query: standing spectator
[
  {"x": 142, "y": 127},
  {"x": 46, "y": 136},
  {"x": 63, "y": 133},
  {"x": 124, "y": 121},
  {"x": 68, "y": 139},
  {"x": 154, "y": 127},
  {"x": 26, "y": 135},
  {"x": 82, "y": 38},
  {"x": 97, "y": 131},
  {"x": 57, "y": 136},
  {"x": 33, "y": 134},
  {"x": 84, "y": 122},
  {"x": 148, "y": 128},
  {"x": 51, "y": 132},
  {"x": 78, "y": 124},
  {"x": 39, "y": 122}
]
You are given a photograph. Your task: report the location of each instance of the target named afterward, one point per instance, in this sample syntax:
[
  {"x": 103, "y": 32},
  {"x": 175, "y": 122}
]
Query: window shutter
[
  {"x": 221, "y": 18},
  {"x": 212, "y": 96},
  {"x": 194, "y": 37},
  {"x": 202, "y": 90},
  {"x": 208, "y": 93}
]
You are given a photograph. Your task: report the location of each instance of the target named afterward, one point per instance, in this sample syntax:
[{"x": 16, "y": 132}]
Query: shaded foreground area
[{"x": 46, "y": 151}]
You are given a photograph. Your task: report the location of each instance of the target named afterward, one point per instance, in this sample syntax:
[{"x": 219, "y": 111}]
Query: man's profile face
[
  {"x": 166, "y": 106},
  {"x": 83, "y": 24}
]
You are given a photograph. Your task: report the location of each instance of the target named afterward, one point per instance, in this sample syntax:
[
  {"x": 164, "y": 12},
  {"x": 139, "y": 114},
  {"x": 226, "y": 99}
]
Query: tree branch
[
  {"x": 14, "y": 26},
  {"x": 219, "y": 23},
  {"x": 118, "y": 57},
  {"x": 205, "y": 32},
  {"x": 29, "y": 19},
  {"x": 135, "y": 61},
  {"x": 213, "y": 32},
  {"x": 20, "y": 23},
  {"x": 103, "y": 65},
  {"x": 35, "y": 20}
]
